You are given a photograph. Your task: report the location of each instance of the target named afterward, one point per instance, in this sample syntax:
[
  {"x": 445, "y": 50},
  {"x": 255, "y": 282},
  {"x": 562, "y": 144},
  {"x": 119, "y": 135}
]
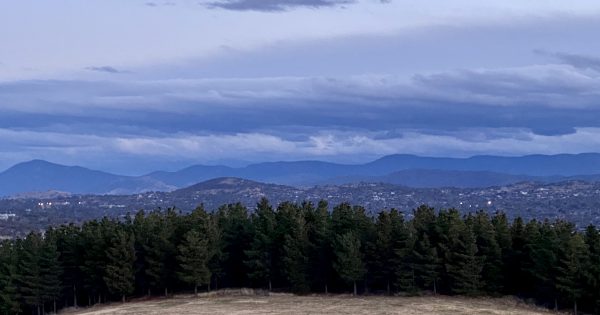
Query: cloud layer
[{"x": 274, "y": 5}]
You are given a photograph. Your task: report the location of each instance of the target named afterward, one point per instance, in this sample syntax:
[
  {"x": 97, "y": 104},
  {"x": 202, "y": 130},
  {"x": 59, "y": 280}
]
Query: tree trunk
[
  {"x": 355, "y": 288},
  {"x": 149, "y": 292},
  {"x": 196, "y": 290},
  {"x": 434, "y": 287},
  {"x": 123, "y": 298},
  {"x": 388, "y": 287},
  {"x": 575, "y": 307},
  {"x": 74, "y": 296},
  {"x": 38, "y": 309},
  {"x": 555, "y": 304},
  {"x": 270, "y": 285},
  {"x": 54, "y": 306},
  {"x": 208, "y": 287},
  {"x": 89, "y": 300},
  {"x": 166, "y": 292},
  {"x": 326, "y": 289}
]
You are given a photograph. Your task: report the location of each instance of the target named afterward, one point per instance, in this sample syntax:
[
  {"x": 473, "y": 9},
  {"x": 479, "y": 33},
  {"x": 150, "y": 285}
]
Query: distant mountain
[
  {"x": 408, "y": 170},
  {"x": 493, "y": 170},
  {"x": 39, "y": 176}
]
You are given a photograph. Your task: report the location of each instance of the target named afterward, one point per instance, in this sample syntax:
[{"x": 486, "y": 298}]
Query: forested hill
[{"x": 302, "y": 248}]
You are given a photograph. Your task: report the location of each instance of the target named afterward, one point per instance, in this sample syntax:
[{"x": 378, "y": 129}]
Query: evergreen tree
[
  {"x": 70, "y": 254},
  {"x": 426, "y": 263},
  {"x": 31, "y": 274},
  {"x": 262, "y": 250},
  {"x": 504, "y": 240},
  {"x": 318, "y": 222},
  {"x": 465, "y": 266},
  {"x": 570, "y": 270},
  {"x": 51, "y": 270},
  {"x": 295, "y": 256},
  {"x": 9, "y": 279},
  {"x": 158, "y": 251},
  {"x": 236, "y": 237},
  {"x": 384, "y": 268},
  {"x": 403, "y": 259},
  {"x": 194, "y": 255},
  {"x": 592, "y": 292},
  {"x": 120, "y": 274},
  {"x": 348, "y": 261},
  {"x": 489, "y": 252}
]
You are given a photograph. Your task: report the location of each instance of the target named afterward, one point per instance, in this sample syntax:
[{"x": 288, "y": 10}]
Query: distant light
[{"x": 489, "y": 203}]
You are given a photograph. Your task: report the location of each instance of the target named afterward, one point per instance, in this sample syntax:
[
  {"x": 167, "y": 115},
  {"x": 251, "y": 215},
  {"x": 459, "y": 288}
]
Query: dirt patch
[{"x": 244, "y": 303}]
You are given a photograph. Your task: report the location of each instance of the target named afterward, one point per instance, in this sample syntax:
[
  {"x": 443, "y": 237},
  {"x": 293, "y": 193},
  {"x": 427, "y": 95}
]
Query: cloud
[
  {"x": 106, "y": 69},
  {"x": 274, "y": 5},
  {"x": 575, "y": 60}
]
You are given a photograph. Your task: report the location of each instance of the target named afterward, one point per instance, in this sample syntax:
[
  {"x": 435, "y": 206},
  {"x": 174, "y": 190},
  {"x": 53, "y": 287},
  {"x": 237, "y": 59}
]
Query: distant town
[{"x": 576, "y": 201}]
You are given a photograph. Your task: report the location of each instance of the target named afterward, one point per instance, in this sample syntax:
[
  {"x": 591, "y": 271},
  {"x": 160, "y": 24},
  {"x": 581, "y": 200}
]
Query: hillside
[
  {"x": 337, "y": 304},
  {"x": 406, "y": 170}
]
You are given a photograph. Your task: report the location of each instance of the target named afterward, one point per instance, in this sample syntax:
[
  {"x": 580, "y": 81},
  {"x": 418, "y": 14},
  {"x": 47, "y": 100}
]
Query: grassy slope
[{"x": 335, "y": 304}]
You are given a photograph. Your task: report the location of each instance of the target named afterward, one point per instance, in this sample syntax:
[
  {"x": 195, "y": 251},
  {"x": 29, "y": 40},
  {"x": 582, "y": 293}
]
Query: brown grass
[{"x": 247, "y": 302}]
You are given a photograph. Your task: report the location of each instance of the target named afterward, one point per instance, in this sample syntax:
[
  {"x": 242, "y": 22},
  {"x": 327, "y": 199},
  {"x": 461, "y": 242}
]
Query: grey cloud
[
  {"x": 106, "y": 69},
  {"x": 575, "y": 60},
  {"x": 274, "y": 5}
]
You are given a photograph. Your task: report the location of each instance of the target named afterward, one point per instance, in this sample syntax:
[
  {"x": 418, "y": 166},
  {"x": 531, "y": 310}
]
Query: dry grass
[{"x": 247, "y": 303}]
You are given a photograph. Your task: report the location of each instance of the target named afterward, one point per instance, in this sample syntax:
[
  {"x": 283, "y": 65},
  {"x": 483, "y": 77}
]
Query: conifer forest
[{"x": 302, "y": 248}]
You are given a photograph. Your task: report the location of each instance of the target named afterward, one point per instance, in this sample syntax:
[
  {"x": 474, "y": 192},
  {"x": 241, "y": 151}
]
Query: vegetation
[{"x": 302, "y": 248}]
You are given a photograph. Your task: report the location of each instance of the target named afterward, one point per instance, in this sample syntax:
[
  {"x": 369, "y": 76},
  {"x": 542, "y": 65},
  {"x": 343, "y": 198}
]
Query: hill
[
  {"x": 407, "y": 170},
  {"x": 40, "y": 176},
  {"x": 332, "y": 304}
]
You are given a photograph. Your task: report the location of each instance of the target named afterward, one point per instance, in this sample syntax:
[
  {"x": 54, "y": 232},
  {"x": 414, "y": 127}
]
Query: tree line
[{"x": 301, "y": 248}]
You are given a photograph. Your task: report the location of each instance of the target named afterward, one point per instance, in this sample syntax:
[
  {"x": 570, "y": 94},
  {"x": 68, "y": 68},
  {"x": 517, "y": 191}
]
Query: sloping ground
[{"x": 337, "y": 304}]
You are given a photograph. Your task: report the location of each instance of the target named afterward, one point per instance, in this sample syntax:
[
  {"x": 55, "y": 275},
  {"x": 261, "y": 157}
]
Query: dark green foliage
[
  {"x": 31, "y": 275},
  {"x": 9, "y": 279},
  {"x": 465, "y": 265},
  {"x": 348, "y": 261},
  {"x": 120, "y": 275},
  {"x": 193, "y": 258},
  {"x": 262, "y": 250},
  {"x": 302, "y": 248},
  {"x": 295, "y": 252}
]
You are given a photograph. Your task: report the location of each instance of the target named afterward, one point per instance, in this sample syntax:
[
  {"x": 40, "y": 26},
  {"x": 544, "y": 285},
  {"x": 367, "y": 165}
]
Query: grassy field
[{"x": 249, "y": 304}]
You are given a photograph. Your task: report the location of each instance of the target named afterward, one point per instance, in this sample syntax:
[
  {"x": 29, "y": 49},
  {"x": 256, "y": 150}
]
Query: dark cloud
[
  {"x": 274, "y": 5},
  {"x": 576, "y": 60},
  {"x": 106, "y": 69}
]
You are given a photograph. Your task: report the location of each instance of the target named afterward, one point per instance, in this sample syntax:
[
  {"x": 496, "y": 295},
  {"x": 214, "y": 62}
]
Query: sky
[{"x": 132, "y": 86}]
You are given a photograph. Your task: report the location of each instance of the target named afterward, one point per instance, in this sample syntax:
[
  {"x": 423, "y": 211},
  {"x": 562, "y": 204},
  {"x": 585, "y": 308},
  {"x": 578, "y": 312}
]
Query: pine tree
[
  {"x": 592, "y": 240},
  {"x": 120, "y": 274},
  {"x": 51, "y": 270},
  {"x": 31, "y": 274},
  {"x": 504, "y": 240},
  {"x": 348, "y": 261},
  {"x": 465, "y": 266},
  {"x": 384, "y": 266},
  {"x": 193, "y": 258},
  {"x": 403, "y": 244},
  {"x": 295, "y": 256},
  {"x": 70, "y": 254},
  {"x": 158, "y": 250},
  {"x": 318, "y": 223},
  {"x": 489, "y": 251},
  {"x": 426, "y": 263},
  {"x": 236, "y": 237},
  {"x": 570, "y": 270},
  {"x": 9, "y": 279},
  {"x": 262, "y": 250}
]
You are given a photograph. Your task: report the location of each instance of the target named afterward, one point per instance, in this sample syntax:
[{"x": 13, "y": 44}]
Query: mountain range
[{"x": 407, "y": 170}]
